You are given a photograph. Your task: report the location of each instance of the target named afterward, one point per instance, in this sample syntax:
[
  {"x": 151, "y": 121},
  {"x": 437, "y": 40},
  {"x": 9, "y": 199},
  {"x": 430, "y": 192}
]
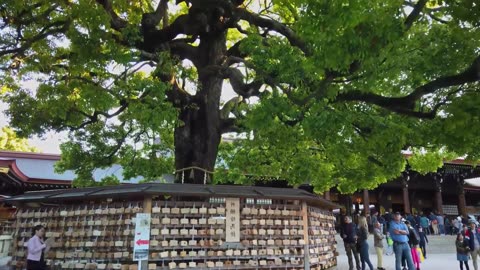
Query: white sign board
[
  {"x": 233, "y": 219},
  {"x": 142, "y": 237}
]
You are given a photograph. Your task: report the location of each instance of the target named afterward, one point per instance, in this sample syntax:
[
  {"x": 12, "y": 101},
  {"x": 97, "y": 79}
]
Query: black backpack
[{"x": 414, "y": 236}]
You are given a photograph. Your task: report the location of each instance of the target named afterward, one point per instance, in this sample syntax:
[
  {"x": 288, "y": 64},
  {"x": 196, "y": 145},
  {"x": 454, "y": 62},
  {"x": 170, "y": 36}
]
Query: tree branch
[
  {"x": 230, "y": 125},
  {"x": 405, "y": 105},
  {"x": 119, "y": 143},
  {"x": 276, "y": 26},
  {"x": 230, "y": 106},
  {"x": 60, "y": 27},
  {"x": 235, "y": 50},
  {"x": 183, "y": 50},
  {"x": 162, "y": 11},
  {"x": 116, "y": 22},
  {"x": 245, "y": 90},
  {"x": 471, "y": 74},
  {"x": 177, "y": 95},
  {"x": 413, "y": 16},
  {"x": 154, "y": 39}
]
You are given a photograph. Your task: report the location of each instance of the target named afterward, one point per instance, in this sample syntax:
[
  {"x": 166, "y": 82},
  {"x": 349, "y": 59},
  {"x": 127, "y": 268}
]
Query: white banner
[
  {"x": 142, "y": 237},
  {"x": 233, "y": 219}
]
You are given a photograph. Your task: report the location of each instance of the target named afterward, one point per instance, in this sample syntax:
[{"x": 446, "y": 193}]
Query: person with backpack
[{"x": 413, "y": 241}]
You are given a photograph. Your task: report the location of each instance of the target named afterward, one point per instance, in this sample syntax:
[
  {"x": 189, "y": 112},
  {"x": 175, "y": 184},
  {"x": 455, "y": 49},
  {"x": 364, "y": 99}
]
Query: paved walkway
[{"x": 441, "y": 255}]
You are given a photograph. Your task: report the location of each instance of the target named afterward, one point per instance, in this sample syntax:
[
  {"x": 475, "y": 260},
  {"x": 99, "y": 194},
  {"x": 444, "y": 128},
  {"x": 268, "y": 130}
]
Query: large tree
[{"x": 328, "y": 92}]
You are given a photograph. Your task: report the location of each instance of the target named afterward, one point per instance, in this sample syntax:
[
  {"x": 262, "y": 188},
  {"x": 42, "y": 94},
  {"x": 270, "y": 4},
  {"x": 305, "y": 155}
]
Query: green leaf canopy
[{"x": 326, "y": 92}]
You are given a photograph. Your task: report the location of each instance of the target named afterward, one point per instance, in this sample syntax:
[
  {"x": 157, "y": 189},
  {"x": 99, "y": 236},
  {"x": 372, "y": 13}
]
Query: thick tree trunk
[{"x": 198, "y": 136}]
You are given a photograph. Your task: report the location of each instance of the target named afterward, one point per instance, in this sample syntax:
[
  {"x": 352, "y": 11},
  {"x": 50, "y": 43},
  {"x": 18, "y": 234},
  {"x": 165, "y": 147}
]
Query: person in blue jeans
[
  {"x": 362, "y": 239},
  {"x": 399, "y": 233}
]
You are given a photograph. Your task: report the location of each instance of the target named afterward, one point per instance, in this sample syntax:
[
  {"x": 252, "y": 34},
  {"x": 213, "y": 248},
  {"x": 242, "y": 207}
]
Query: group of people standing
[
  {"x": 401, "y": 236},
  {"x": 355, "y": 240},
  {"x": 408, "y": 241}
]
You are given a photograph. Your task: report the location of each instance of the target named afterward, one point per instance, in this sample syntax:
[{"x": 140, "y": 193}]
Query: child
[
  {"x": 413, "y": 241},
  {"x": 462, "y": 251}
]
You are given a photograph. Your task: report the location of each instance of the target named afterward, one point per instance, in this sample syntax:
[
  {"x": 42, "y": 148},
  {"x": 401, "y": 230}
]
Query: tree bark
[{"x": 198, "y": 136}]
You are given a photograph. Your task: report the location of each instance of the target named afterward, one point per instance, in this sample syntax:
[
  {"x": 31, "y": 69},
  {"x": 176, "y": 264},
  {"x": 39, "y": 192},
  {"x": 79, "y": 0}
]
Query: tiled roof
[{"x": 127, "y": 191}]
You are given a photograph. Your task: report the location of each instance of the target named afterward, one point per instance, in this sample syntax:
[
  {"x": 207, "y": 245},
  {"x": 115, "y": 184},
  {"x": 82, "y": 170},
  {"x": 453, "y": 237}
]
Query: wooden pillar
[
  {"x": 412, "y": 198},
  {"x": 438, "y": 196},
  {"x": 406, "y": 200},
  {"x": 462, "y": 203},
  {"x": 366, "y": 202}
]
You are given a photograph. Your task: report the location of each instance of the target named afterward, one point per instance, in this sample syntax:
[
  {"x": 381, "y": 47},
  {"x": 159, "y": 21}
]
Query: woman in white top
[{"x": 35, "y": 248}]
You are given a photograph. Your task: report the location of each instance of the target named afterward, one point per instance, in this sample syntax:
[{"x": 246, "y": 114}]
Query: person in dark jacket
[
  {"x": 417, "y": 219},
  {"x": 473, "y": 238},
  {"x": 423, "y": 241},
  {"x": 348, "y": 232},
  {"x": 462, "y": 251},
  {"x": 388, "y": 218}
]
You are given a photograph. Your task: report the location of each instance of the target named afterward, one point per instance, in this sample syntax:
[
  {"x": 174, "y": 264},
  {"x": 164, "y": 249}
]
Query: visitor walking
[
  {"x": 462, "y": 251},
  {"x": 423, "y": 241},
  {"x": 448, "y": 226},
  {"x": 362, "y": 239},
  {"x": 473, "y": 235},
  {"x": 441, "y": 224},
  {"x": 378, "y": 244},
  {"x": 399, "y": 233},
  {"x": 424, "y": 222},
  {"x": 456, "y": 226},
  {"x": 434, "y": 222},
  {"x": 348, "y": 232}
]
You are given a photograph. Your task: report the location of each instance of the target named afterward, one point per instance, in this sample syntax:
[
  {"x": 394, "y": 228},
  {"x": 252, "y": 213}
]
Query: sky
[{"x": 50, "y": 144}]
